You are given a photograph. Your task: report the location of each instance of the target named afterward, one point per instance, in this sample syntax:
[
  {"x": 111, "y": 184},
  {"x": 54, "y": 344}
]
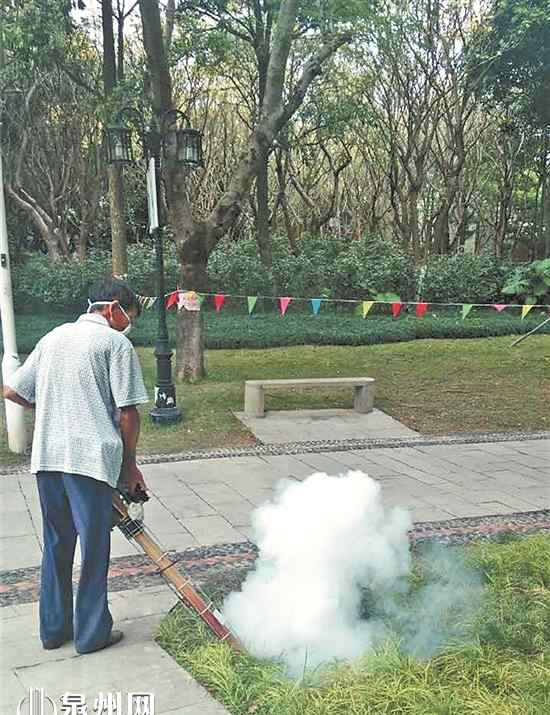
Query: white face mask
[{"x": 110, "y": 302}]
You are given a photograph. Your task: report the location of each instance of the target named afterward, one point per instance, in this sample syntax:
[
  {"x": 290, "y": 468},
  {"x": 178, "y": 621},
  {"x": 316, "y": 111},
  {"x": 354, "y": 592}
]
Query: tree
[
  {"x": 514, "y": 54},
  {"x": 196, "y": 238}
]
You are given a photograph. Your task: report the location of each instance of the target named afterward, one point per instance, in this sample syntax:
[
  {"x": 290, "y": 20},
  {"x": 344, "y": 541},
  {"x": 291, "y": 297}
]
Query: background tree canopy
[{"x": 423, "y": 123}]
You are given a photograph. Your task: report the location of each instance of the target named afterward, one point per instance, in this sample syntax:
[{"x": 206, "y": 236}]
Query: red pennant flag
[
  {"x": 172, "y": 299},
  {"x": 283, "y": 304},
  {"x": 499, "y": 307},
  {"x": 219, "y": 300},
  {"x": 396, "y": 308},
  {"x": 421, "y": 309}
]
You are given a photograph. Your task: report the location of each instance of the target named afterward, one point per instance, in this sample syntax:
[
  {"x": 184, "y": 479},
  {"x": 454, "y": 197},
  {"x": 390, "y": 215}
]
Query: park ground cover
[
  {"x": 502, "y": 667},
  {"x": 433, "y": 386},
  {"x": 267, "y": 329}
]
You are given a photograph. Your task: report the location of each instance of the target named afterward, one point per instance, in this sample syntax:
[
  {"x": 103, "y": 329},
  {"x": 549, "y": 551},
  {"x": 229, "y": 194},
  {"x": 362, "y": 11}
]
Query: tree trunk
[
  {"x": 81, "y": 241},
  {"x": 414, "y": 222},
  {"x": 119, "y": 246},
  {"x": 262, "y": 217},
  {"x": 119, "y": 243},
  {"x": 190, "y": 358},
  {"x": 190, "y": 361},
  {"x": 546, "y": 214}
]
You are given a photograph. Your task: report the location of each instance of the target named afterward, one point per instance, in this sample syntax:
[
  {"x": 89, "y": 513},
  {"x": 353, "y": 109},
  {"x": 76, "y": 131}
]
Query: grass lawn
[
  {"x": 502, "y": 669},
  {"x": 433, "y": 386}
]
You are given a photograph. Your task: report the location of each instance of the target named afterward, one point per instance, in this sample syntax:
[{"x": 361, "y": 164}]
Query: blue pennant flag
[{"x": 316, "y": 305}]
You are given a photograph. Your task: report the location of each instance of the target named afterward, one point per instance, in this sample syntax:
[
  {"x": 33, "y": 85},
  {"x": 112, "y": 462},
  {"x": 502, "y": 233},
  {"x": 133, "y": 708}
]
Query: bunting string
[{"x": 191, "y": 300}]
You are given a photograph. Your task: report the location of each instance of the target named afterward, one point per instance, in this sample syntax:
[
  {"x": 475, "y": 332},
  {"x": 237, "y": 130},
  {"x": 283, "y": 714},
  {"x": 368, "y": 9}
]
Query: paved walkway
[
  {"x": 283, "y": 426},
  {"x": 210, "y": 501}
]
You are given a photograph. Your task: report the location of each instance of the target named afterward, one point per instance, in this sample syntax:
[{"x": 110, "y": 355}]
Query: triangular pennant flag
[
  {"x": 172, "y": 299},
  {"x": 201, "y": 298},
  {"x": 466, "y": 308},
  {"x": 525, "y": 310},
  {"x": 367, "y": 305},
  {"x": 396, "y": 308},
  {"x": 189, "y": 300},
  {"x": 421, "y": 309},
  {"x": 252, "y": 300},
  {"x": 219, "y": 300},
  {"x": 153, "y": 302},
  {"x": 283, "y": 304},
  {"x": 499, "y": 307},
  {"x": 316, "y": 305}
]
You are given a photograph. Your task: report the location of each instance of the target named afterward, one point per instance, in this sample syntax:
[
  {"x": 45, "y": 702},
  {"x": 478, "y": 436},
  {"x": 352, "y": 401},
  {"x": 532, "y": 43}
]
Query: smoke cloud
[{"x": 321, "y": 543}]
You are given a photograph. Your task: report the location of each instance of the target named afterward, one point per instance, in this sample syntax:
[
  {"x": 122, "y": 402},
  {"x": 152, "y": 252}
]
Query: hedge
[
  {"x": 326, "y": 267},
  {"x": 229, "y": 330}
]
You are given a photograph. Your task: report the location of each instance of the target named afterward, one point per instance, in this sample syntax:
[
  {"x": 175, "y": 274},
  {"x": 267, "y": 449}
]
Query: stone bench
[{"x": 254, "y": 391}]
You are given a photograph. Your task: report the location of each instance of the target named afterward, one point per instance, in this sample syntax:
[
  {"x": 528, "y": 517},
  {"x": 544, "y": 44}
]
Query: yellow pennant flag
[
  {"x": 524, "y": 310},
  {"x": 367, "y": 305}
]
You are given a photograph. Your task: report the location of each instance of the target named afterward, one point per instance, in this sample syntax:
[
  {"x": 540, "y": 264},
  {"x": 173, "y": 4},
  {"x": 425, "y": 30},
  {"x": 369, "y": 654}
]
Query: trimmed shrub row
[
  {"x": 228, "y": 330},
  {"x": 326, "y": 267}
]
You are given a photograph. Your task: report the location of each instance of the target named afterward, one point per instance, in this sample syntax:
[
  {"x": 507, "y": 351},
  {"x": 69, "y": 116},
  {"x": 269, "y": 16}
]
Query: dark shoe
[
  {"x": 115, "y": 637},
  {"x": 52, "y": 645}
]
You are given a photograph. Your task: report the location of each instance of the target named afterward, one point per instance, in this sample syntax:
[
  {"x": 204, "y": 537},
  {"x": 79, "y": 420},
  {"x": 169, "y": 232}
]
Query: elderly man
[{"x": 83, "y": 380}]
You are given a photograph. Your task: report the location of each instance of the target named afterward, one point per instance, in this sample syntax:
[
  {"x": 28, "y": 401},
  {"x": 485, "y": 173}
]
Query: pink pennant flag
[
  {"x": 219, "y": 300},
  {"x": 421, "y": 309},
  {"x": 396, "y": 308},
  {"x": 499, "y": 307},
  {"x": 283, "y": 304}
]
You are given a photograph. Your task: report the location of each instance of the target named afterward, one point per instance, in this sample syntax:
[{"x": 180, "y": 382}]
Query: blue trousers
[{"x": 75, "y": 505}]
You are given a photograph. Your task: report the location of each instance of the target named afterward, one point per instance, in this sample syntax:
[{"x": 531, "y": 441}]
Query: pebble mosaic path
[{"x": 205, "y": 564}]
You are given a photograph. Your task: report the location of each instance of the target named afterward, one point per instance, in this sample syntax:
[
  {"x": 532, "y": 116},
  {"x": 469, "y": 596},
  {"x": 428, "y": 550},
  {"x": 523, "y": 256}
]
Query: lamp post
[{"x": 170, "y": 136}]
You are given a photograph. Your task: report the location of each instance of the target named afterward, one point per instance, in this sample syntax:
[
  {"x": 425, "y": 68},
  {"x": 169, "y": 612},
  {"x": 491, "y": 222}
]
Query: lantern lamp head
[
  {"x": 182, "y": 144},
  {"x": 189, "y": 147},
  {"x": 119, "y": 145}
]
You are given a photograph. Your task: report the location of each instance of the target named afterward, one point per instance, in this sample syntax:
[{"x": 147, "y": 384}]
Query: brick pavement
[{"x": 210, "y": 501}]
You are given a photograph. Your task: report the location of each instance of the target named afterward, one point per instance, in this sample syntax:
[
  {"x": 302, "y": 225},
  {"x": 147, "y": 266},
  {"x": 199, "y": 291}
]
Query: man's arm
[
  {"x": 12, "y": 395},
  {"x": 131, "y": 476}
]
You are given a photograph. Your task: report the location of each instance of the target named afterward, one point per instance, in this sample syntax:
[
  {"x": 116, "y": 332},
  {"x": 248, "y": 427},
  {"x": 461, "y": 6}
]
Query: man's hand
[
  {"x": 11, "y": 395},
  {"x": 130, "y": 475},
  {"x": 132, "y": 479}
]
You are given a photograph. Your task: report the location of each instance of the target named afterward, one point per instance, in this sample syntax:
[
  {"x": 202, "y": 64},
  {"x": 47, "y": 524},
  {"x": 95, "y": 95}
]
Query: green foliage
[
  {"x": 461, "y": 278},
  {"x": 39, "y": 284},
  {"x": 42, "y": 285},
  {"x": 514, "y": 54},
  {"x": 324, "y": 267},
  {"x": 374, "y": 265},
  {"x": 142, "y": 267},
  {"x": 530, "y": 282},
  {"x": 235, "y": 266},
  {"x": 519, "y": 577}
]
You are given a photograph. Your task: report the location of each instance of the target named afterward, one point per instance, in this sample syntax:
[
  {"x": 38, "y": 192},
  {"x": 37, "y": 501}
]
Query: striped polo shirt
[{"x": 78, "y": 376}]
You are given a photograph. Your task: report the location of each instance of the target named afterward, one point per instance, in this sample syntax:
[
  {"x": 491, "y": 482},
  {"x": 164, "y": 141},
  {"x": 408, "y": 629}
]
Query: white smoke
[{"x": 321, "y": 542}]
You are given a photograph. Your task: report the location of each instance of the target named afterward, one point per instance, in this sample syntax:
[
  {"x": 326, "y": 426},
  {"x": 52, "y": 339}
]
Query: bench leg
[
  {"x": 254, "y": 401},
  {"x": 364, "y": 398}
]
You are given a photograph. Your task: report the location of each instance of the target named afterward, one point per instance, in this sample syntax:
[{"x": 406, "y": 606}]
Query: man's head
[{"x": 116, "y": 302}]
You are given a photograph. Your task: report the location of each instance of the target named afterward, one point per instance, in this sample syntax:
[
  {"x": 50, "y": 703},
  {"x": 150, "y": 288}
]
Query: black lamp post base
[{"x": 166, "y": 415}]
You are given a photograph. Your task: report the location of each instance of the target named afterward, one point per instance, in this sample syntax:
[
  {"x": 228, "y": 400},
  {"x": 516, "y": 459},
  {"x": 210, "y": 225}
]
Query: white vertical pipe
[{"x": 15, "y": 414}]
